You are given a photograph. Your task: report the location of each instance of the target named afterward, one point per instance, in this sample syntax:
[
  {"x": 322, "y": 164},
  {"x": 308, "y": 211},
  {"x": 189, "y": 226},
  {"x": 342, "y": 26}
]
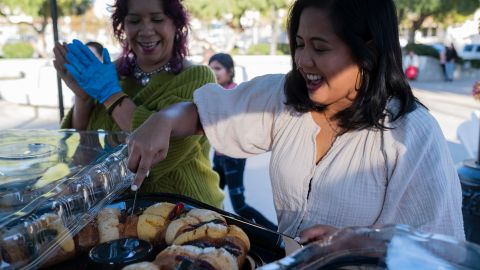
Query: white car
[{"x": 470, "y": 52}]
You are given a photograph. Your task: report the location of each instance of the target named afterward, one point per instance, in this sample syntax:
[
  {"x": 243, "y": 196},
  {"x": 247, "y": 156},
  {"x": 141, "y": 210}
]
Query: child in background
[{"x": 231, "y": 169}]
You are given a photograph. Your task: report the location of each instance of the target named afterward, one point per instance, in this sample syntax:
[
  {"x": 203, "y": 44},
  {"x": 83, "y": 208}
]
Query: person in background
[
  {"x": 96, "y": 48},
  {"x": 350, "y": 144},
  {"x": 450, "y": 58},
  {"x": 231, "y": 169},
  {"x": 411, "y": 63},
  {"x": 151, "y": 74},
  {"x": 443, "y": 61}
]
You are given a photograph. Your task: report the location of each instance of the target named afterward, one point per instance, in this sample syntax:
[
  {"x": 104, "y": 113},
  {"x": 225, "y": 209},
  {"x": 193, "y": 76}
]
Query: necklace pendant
[{"x": 145, "y": 80}]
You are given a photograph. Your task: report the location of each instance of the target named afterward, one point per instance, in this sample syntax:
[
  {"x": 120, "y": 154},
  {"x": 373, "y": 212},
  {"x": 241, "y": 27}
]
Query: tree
[
  {"x": 39, "y": 11},
  {"x": 231, "y": 11},
  {"x": 414, "y": 12},
  {"x": 276, "y": 7}
]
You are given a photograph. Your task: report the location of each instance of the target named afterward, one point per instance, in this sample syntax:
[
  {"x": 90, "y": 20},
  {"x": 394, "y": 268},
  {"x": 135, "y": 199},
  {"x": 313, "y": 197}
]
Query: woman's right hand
[
  {"x": 147, "y": 146},
  {"x": 60, "y": 52}
]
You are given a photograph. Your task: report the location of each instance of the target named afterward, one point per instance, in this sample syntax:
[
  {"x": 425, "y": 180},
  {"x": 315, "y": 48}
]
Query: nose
[
  {"x": 147, "y": 28},
  {"x": 303, "y": 59}
]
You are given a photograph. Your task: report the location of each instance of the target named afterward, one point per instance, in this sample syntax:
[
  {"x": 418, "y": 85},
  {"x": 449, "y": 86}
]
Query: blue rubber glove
[{"x": 99, "y": 80}]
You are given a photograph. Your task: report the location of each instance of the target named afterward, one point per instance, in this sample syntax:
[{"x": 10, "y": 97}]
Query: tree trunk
[
  {"x": 416, "y": 24},
  {"x": 232, "y": 40},
  {"x": 42, "y": 46},
  {"x": 275, "y": 30}
]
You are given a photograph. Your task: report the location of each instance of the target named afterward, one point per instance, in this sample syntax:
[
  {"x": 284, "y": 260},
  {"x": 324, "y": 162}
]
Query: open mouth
[
  {"x": 148, "y": 46},
  {"x": 314, "y": 81}
]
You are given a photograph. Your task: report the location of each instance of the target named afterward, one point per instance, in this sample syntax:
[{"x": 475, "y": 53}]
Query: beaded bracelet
[{"x": 115, "y": 103}]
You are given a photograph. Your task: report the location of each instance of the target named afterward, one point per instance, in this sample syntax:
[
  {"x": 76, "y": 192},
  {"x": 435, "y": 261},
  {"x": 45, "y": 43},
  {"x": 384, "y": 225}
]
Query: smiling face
[
  {"x": 224, "y": 76},
  {"x": 150, "y": 33},
  {"x": 325, "y": 61}
]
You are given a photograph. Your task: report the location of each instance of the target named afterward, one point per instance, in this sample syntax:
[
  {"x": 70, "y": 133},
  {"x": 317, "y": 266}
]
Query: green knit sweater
[{"x": 187, "y": 169}]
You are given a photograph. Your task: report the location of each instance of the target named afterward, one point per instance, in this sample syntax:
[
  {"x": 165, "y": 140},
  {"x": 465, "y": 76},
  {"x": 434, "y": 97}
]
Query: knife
[
  {"x": 135, "y": 189},
  {"x": 291, "y": 244},
  {"x": 134, "y": 203}
]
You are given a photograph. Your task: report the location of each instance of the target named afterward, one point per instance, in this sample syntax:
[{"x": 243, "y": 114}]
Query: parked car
[
  {"x": 470, "y": 52},
  {"x": 438, "y": 47}
]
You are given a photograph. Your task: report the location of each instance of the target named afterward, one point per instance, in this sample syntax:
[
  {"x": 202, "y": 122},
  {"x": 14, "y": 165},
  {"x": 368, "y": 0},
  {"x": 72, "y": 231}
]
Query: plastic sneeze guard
[{"x": 52, "y": 183}]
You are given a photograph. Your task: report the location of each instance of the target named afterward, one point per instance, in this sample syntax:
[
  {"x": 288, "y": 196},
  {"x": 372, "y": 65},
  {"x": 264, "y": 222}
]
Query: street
[{"x": 450, "y": 103}]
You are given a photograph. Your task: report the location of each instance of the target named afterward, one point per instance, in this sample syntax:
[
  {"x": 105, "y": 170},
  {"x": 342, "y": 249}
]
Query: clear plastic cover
[
  {"x": 390, "y": 247},
  {"x": 52, "y": 183}
]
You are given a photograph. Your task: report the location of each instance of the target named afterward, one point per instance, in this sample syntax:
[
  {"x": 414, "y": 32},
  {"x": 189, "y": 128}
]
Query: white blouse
[{"x": 405, "y": 176}]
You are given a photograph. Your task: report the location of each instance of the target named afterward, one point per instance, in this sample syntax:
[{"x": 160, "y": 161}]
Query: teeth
[
  {"x": 148, "y": 44},
  {"x": 313, "y": 77}
]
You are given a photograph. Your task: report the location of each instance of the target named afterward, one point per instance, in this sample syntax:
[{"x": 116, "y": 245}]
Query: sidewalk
[{"x": 14, "y": 116}]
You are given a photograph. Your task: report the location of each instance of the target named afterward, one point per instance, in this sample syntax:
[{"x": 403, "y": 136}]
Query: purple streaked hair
[{"x": 175, "y": 11}]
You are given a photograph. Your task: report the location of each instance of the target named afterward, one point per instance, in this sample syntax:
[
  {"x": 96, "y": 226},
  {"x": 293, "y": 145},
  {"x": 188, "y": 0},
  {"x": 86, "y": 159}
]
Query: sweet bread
[
  {"x": 141, "y": 266},
  {"x": 108, "y": 224},
  {"x": 153, "y": 222},
  {"x": 53, "y": 229},
  {"x": 87, "y": 237},
  {"x": 192, "y": 220},
  {"x": 201, "y": 258},
  {"x": 231, "y": 238}
]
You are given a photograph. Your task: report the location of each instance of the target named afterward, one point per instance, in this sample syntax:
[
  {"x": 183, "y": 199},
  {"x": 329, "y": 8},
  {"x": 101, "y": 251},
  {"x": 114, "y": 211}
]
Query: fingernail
[
  {"x": 134, "y": 187},
  {"x": 297, "y": 239},
  {"x": 147, "y": 174}
]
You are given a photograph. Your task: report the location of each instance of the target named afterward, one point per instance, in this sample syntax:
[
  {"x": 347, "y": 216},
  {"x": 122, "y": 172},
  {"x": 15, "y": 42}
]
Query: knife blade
[
  {"x": 134, "y": 203},
  {"x": 135, "y": 188},
  {"x": 291, "y": 243}
]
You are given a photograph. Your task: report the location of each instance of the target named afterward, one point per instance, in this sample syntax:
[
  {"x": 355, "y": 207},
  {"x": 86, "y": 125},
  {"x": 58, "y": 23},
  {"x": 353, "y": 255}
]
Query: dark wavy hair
[
  {"x": 226, "y": 61},
  {"x": 370, "y": 30},
  {"x": 175, "y": 11},
  {"x": 96, "y": 45}
]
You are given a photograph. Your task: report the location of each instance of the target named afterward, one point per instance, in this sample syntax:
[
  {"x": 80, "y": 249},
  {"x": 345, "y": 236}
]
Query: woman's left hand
[
  {"x": 316, "y": 233},
  {"x": 60, "y": 52},
  {"x": 99, "y": 80}
]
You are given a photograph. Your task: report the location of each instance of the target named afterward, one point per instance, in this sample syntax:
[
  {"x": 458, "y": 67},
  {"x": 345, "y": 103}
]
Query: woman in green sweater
[{"x": 153, "y": 74}]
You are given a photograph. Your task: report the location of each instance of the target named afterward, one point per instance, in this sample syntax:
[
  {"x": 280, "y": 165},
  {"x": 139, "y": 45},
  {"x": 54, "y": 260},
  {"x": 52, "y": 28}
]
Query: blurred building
[{"x": 460, "y": 34}]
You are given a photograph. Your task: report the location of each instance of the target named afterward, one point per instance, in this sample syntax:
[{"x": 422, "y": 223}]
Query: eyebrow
[{"x": 315, "y": 39}]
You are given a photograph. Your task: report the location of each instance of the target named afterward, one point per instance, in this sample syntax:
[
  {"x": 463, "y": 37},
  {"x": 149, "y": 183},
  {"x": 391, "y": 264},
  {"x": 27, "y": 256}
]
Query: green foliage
[
  {"x": 261, "y": 49},
  {"x": 421, "y": 49},
  {"x": 41, "y": 8},
  {"x": 475, "y": 63},
  {"x": 235, "y": 51},
  {"x": 217, "y": 9},
  {"x": 440, "y": 10},
  {"x": 284, "y": 48},
  {"x": 19, "y": 49}
]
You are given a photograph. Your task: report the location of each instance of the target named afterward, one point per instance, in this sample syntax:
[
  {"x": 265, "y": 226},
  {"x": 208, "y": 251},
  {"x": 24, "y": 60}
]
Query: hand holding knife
[{"x": 135, "y": 188}]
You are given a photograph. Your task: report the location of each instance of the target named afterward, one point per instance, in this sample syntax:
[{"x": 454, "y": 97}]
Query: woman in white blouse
[{"x": 350, "y": 145}]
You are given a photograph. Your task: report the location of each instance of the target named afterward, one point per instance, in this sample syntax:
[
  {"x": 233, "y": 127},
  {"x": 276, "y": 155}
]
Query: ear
[{"x": 231, "y": 72}]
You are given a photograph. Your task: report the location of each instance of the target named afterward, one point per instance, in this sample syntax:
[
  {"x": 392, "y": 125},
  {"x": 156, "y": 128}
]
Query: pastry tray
[{"x": 266, "y": 246}]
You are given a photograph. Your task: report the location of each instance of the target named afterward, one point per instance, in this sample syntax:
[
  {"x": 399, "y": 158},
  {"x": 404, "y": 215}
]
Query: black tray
[{"x": 266, "y": 246}]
